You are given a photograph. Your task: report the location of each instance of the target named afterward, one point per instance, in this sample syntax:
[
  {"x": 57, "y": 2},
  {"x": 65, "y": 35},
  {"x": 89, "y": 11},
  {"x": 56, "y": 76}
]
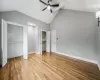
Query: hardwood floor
[{"x": 48, "y": 67}]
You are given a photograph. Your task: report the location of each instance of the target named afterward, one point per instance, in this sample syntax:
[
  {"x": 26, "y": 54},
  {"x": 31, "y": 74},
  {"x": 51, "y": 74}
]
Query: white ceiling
[
  {"x": 83, "y": 5},
  {"x": 33, "y": 7}
]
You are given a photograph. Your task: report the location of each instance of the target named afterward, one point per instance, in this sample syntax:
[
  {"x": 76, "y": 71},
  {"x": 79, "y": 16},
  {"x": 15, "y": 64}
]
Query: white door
[
  {"x": 48, "y": 41},
  {"x": 40, "y": 42},
  {"x": 4, "y": 43},
  {"x": 53, "y": 41},
  {"x": 25, "y": 42}
]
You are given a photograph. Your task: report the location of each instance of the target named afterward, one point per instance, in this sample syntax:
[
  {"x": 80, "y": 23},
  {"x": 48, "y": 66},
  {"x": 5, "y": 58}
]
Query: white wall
[
  {"x": 76, "y": 33},
  {"x": 31, "y": 39}
]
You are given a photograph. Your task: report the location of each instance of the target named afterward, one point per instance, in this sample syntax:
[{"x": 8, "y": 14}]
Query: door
[
  {"x": 48, "y": 41},
  {"x": 25, "y": 42},
  {"x": 40, "y": 42},
  {"x": 4, "y": 43},
  {"x": 53, "y": 41}
]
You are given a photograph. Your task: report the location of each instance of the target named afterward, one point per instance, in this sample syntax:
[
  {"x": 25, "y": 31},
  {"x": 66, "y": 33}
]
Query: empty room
[{"x": 49, "y": 39}]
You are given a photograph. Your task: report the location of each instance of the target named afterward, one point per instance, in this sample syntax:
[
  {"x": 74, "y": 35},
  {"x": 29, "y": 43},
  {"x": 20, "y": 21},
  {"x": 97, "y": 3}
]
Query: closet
[
  {"x": 43, "y": 41},
  {"x": 14, "y": 41}
]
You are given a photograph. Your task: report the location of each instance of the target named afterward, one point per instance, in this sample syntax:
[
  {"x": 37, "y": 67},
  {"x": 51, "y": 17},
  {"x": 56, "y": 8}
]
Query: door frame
[
  {"x": 40, "y": 40},
  {"x": 25, "y": 38}
]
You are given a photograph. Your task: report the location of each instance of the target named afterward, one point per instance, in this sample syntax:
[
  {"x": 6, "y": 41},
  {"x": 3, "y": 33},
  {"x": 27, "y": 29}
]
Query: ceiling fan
[{"x": 49, "y": 5}]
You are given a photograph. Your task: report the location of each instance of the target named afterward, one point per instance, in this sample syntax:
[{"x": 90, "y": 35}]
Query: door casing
[
  {"x": 47, "y": 41},
  {"x": 25, "y": 40}
]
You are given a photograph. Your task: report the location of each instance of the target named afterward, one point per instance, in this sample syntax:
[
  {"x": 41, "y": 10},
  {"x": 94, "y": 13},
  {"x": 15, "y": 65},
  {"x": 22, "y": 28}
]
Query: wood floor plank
[{"x": 48, "y": 67}]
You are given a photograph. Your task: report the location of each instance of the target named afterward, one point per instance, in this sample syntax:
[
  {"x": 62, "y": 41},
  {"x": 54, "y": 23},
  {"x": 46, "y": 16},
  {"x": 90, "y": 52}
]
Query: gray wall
[
  {"x": 77, "y": 33},
  {"x": 21, "y": 18}
]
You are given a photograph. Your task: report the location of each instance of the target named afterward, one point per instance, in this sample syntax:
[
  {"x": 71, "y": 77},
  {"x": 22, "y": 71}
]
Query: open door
[
  {"x": 48, "y": 41},
  {"x": 53, "y": 41},
  {"x": 4, "y": 42}
]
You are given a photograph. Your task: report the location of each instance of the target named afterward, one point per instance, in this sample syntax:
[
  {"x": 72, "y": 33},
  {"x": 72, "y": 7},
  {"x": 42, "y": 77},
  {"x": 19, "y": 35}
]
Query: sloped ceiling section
[
  {"x": 29, "y": 7},
  {"x": 83, "y": 5},
  {"x": 34, "y": 8}
]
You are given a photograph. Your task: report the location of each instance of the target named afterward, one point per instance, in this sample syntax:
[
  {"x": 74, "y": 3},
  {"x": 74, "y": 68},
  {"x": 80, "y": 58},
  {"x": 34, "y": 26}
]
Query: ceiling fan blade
[
  {"x": 48, "y": 1},
  {"x": 54, "y": 5},
  {"x": 51, "y": 10},
  {"x": 44, "y": 9},
  {"x": 43, "y": 2}
]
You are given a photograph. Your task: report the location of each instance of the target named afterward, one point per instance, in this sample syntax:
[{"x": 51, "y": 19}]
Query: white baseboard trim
[
  {"x": 30, "y": 52},
  {"x": 76, "y": 57},
  {"x": 37, "y": 52},
  {"x": 25, "y": 57}
]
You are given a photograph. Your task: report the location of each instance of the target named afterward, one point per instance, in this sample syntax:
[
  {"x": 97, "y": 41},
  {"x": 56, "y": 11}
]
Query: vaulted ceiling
[{"x": 34, "y": 8}]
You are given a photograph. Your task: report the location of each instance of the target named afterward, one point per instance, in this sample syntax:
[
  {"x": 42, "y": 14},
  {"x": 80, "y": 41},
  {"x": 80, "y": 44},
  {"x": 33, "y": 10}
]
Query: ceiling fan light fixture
[
  {"x": 98, "y": 14},
  {"x": 48, "y": 7},
  {"x": 98, "y": 17}
]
